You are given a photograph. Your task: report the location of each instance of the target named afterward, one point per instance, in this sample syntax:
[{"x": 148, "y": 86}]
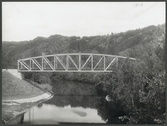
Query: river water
[{"x": 73, "y": 102}]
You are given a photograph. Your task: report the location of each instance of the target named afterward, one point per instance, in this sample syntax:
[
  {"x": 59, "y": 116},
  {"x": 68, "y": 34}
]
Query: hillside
[
  {"x": 125, "y": 43},
  {"x": 137, "y": 89}
]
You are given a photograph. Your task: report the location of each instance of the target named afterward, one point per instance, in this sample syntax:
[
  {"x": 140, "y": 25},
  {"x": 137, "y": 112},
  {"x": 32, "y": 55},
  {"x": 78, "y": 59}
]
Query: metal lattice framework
[{"x": 71, "y": 62}]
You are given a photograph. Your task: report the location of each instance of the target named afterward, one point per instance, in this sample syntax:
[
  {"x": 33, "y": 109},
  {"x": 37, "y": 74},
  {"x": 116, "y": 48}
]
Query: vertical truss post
[
  {"x": 21, "y": 66},
  {"x": 42, "y": 63},
  {"x": 55, "y": 63},
  {"x": 67, "y": 62},
  {"x": 79, "y": 62},
  {"x": 104, "y": 63},
  {"x": 30, "y": 64},
  {"x": 92, "y": 62}
]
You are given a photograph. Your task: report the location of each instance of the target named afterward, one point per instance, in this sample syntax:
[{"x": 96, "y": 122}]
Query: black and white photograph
[{"x": 83, "y": 63}]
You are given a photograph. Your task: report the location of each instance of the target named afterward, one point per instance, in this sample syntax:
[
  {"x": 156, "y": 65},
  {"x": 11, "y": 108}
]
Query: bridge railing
[{"x": 71, "y": 62}]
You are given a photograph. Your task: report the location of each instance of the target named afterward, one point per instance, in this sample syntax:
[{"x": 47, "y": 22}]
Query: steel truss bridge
[{"x": 71, "y": 62}]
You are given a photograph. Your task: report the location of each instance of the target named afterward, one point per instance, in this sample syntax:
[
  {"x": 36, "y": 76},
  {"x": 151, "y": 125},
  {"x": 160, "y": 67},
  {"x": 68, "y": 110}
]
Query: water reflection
[
  {"x": 80, "y": 113},
  {"x": 72, "y": 88},
  {"x": 75, "y": 102},
  {"x": 54, "y": 112},
  {"x": 110, "y": 111}
]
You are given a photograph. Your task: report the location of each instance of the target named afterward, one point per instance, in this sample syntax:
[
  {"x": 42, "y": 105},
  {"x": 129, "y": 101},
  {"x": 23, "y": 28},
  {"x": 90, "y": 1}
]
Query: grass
[{"x": 14, "y": 88}]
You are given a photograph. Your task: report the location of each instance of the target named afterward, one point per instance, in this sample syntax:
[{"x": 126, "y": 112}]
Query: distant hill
[
  {"x": 129, "y": 43},
  {"x": 135, "y": 87}
]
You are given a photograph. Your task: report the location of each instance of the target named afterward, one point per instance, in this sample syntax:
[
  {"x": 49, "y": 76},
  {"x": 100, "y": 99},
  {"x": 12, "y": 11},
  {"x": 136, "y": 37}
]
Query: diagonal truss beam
[
  {"x": 60, "y": 61},
  {"x": 85, "y": 62},
  {"x": 73, "y": 62},
  {"x": 49, "y": 63},
  {"x": 25, "y": 65},
  {"x": 36, "y": 63},
  {"x": 98, "y": 62},
  {"x": 110, "y": 64}
]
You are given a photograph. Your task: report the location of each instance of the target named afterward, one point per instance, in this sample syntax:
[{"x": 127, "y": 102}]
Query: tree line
[{"x": 137, "y": 89}]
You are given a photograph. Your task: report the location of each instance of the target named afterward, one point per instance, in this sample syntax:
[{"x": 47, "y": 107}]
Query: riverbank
[
  {"x": 14, "y": 88},
  {"x": 18, "y": 96},
  {"x": 45, "y": 87}
]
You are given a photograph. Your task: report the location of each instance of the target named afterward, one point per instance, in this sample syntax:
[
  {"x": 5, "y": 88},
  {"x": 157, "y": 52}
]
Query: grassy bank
[{"x": 14, "y": 88}]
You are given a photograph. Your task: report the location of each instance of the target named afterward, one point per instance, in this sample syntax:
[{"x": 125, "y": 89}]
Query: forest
[{"x": 138, "y": 89}]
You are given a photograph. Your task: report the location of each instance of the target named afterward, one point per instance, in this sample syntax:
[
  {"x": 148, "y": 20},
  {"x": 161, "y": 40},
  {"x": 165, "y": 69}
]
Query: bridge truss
[{"x": 71, "y": 62}]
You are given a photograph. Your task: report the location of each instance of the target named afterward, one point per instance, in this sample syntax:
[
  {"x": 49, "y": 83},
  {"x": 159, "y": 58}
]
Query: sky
[{"x": 23, "y": 21}]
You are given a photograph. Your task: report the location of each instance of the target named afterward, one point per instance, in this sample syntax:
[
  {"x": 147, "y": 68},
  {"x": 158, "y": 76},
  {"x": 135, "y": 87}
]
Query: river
[{"x": 73, "y": 102}]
